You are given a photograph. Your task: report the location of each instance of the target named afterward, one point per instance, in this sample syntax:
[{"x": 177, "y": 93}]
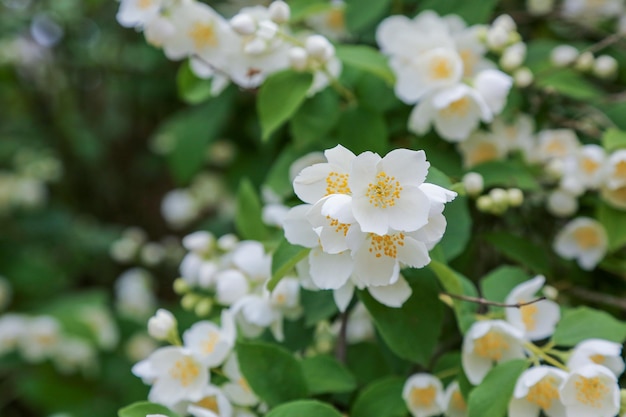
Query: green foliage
[
  {"x": 191, "y": 88},
  {"x": 141, "y": 409},
  {"x": 614, "y": 139},
  {"x": 569, "y": 83},
  {"x": 360, "y": 129},
  {"x": 381, "y": 398},
  {"x": 614, "y": 222},
  {"x": 315, "y": 118},
  {"x": 491, "y": 398},
  {"x": 318, "y": 306},
  {"x": 284, "y": 260},
  {"x": 478, "y": 12},
  {"x": 520, "y": 250},
  {"x": 279, "y": 98},
  {"x": 272, "y": 372},
  {"x": 366, "y": 58},
  {"x": 324, "y": 375},
  {"x": 305, "y": 408},
  {"x": 359, "y": 17},
  {"x": 248, "y": 217},
  {"x": 455, "y": 283},
  {"x": 496, "y": 285},
  {"x": 507, "y": 174},
  {"x": 583, "y": 323}
]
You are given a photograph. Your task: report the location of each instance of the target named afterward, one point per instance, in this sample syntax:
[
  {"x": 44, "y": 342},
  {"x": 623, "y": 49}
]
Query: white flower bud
[
  {"x": 554, "y": 168},
  {"x": 605, "y": 66},
  {"x": 162, "y": 324},
  {"x": 152, "y": 253},
  {"x": 227, "y": 242},
  {"x": 562, "y": 204},
  {"x": 550, "y": 292},
  {"x": 318, "y": 47},
  {"x": 201, "y": 242},
  {"x": 255, "y": 47},
  {"x": 497, "y": 38},
  {"x": 563, "y": 55},
  {"x": 499, "y": 196},
  {"x": 279, "y": 11},
  {"x": 523, "y": 77},
  {"x": 585, "y": 61},
  {"x": 539, "y": 7},
  {"x": 484, "y": 203},
  {"x": 506, "y": 22},
  {"x": 298, "y": 58},
  {"x": 513, "y": 56},
  {"x": 473, "y": 183},
  {"x": 515, "y": 197},
  {"x": 243, "y": 24},
  {"x": 267, "y": 30}
]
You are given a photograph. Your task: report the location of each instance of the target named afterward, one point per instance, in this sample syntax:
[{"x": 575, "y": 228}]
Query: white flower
[
  {"x": 12, "y": 327},
  {"x": 213, "y": 404},
  {"x": 250, "y": 257},
  {"x": 513, "y": 56},
  {"x": 583, "y": 239},
  {"x": 537, "y": 390},
  {"x": 237, "y": 389},
  {"x": 455, "y": 404},
  {"x": 597, "y": 351},
  {"x": 423, "y": 395},
  {"x": 616, "y": 197},
  {"x": 517, "y": 135},
  {"x": 493, "y": 86},
  {"x": 481, "y": 147},
  {"x": 590, "y": 391},
  {"x": 200, "y": 242},
  {"x": 537, "y": 320},
  {"x": 585, "y": 169},
  {"x": 360, "y": 327},
  {"x": 74, "y": 354},
  {"x": 39, "y": 338},
  {"x": 330, "y": 22},
  {"x": 178, "y": 207},
  {"x": 557, "y": 143},
  {"x": 134, "y": 295},
  {"x": 230, "y": 286},
  {"x": 591, "y": 9},
  {"x": 133, "y": 13},
  {"x": 563, "y": 55},
  {"x": 101, "y": 323},
  {"x": 616, "y": 176},
  {"x": 605, "y": 66},
  {"x": 162, "y": 325},
  {"x": 488, "y": 342},
  {"x": 210, "y": 343}
]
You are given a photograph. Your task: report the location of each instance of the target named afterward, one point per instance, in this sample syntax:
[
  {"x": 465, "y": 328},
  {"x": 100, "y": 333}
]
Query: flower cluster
[
  {"x": 440, "y": 66},
  {"x": 254, "y": 44},
  {"x": 364, "y": 219}
]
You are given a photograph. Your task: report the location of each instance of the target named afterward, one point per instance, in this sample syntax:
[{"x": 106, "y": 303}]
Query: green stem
[{"x": 538, "y": 352}]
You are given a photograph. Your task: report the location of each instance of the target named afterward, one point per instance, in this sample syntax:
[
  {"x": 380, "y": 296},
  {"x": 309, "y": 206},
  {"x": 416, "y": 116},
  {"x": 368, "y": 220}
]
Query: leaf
[
  {"x": 497, "y": 285},
  {"x": 359, "y": 17},
  {"x": 520, "y": 250},
  {"x": 279, "y": 98},
  {"x": 458, "y": 231},
  {"x": 315, "y": 118},
  {"x": 142, "y": 409},
  {"x": 272, "y": 372},
  {"x": 381, "y": 398},
  {"x": 248, "y": 218},
  {"x": 324, "y": 374},
  {"x": 366, "y": 59},
  {"x": 455, "y": 283},
  {"x": 305, "y": 408},
  {"x": 284, "y": 260},
  {"x": 569, "y": 83},
  {"x": 191, "y": 88},
  {"x": 422, "y": 313},
  {"x": 361, "y": 129},
  {"x": 471, "y": 12},
  {"x": 317, "y": 305},
  {"x": 367, "y": 362},
  {"x": 583, "y": 323},
  {"x": 507, "y": 174},
  {"x": 614, "y": 222},
  {"x": 491, "y": 398},
  {"x": 614, "y": 139}
]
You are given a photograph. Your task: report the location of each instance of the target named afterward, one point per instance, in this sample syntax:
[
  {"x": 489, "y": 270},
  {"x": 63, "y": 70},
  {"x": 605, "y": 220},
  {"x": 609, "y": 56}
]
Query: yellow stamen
[
  {"x": 210, "y": 403},
  {"x": 620, "y": 169},
  {"x": 528, "y": 316},
  {"x": 209, "y": 345},
  {"x": 591, "y": 391},
  {"x": 458, "y": 402},
  {"x": 491, "y": 346},
  {"x": 483, "y": 152},
  {"x": 386, "y": 245},
  {"x": 185, "y": 370},
  {"x": 337, "y": 183},
  {"x": 423, "y": 397},
  {"x": 544, "y": 392},
  {"x": 587, "y": 237},
  {"x": 144, "y": 4},
  {"x": 589, "y": 165},
  {"x": 384, "y": 192},
  {"x": 339, "y": 227},
  {"x": 336, "y": 19},
  {"x": 203, "y": 35},
  {"x": 599, "y": 359},
  {"x": 458, "y": 107}
]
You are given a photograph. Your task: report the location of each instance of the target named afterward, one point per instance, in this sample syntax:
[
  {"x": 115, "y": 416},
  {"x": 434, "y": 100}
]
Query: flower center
[
  {"x": 587, "y": 237},
  {"x": 209, "y": 345},
  {"x": 203, "y": 35},
  {"x": 386, "y": 245},
  {"x": 423, "y": 397},
  {"x": 210, "y": 403},
  {"x": 484, "y": 152},
  {"x": 144, "y": 4},
  {"x": 620, "y": 169},
  {"x": 591, "y": 391},
  {"x": 458, "y": 402},
  {"x": 589, "y": 165},
  {"x": 458, "y": 107},
  {"x": 528, "y": 316},
  {"x": 469, "y": 61},
  {"x": 440, "y": 68},
  {"x": 339, "y": 227},
  {"x": 244, "y": 384},
  {"x": 543, "y": 392},
  {"x": 335, "y": 19},
  {"x": 599, "y": 359},
  {"x": 384, "y": 191},
  {"x": 556, "y": 148},
  {"x": 337, "y": 183},
  {"x": 185, "y": 370},
  {"x": 492, "y": 346}
]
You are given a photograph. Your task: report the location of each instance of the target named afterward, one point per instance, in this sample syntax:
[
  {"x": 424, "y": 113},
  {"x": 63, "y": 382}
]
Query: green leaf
[
  {"x": 279, "y": 98},
  {"x": 614, "y": 222},
  {"x": 315, "y": 118},
  {"x": 507, "y": 174},
  {"x": 614, "y": 139},
  {"x": 324, "y": 374},
  {"x": 191, "y": 131},
  {"x": 317, "y": 305},
  {"x": 458, "y": 231},
  {"x": 248, "y": 218},
  {"x": 422, "y": 313},
  {"x": 366, "y": 59},
  {"x": 359, "y": 17},
  {"x": 141, "y": 409},
  {"x": 272, "y": 372},
  {"x": 305, "y": 408},
  {"x": 583, "y": 323},
  {"x": 284, "y": 260},
  {"x": 367, "y": 362},
  {"x": 569, "y": 83},
  {"x": 471, "y": 12},
  {"x": 498, "y": 284},
  {"x": 361, "y": 129},
  {"x": 455, "y": 283},
  {"x": 521, "y": 250},
  {"x": 301, "y": 9},
  {"x": 381, "y": 398},
  {"x": 491, "y": 398},
  {"x": 191, "y": 88}
]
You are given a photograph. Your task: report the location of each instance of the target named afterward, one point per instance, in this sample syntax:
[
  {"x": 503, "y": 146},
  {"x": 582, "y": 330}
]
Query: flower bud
[
  {"x": 550, "y": 292},
  {"x": 201, "y": 242},
  {"x": 513, "y": 56},
  {"x": 227, "y": 242},
  {"x": 279, "y": 11},
  {"x": 484, "y": 203},
  {"x": 562, "y": 204},
  {"x": 554, "y": 168},
  {"x": 563, "y": 55},
  {"x": 605, "y": 66},
  {"x": 162, "y": 325},
  {"x": 255, "y": 47},
  {"x": 473, "y": 183},
  {"x": 243, "y": 24},
  {"x": 267, "y": 30},
  {"x": 506, "y": 22},
  {"x": 539, "y": 7},
  {"x": 203, "y": 307},
  {"x": 180, "y": 286},
  {"x": 515, "y": 197},
  {"x": 189, "y": 301},
  {"x": 523, "y": 77},
  {"x": 499, "y": 196},
  {"x": 497, "y": 38},
  {"x": 298, "y": 58},
  {"x": 318, "y": 47},
  {"x": 585, "y": 62}
]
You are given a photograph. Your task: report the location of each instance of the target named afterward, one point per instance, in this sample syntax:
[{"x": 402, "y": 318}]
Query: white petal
[
  {"x": 392, "y": 295},
  {"x": 330, "y": 271}
]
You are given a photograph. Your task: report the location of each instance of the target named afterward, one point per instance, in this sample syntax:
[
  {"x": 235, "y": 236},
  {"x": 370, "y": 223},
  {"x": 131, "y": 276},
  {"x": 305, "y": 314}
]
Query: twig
[
  {"x": 597, "y": 297},
  {"x": 483, "y": 301},
  {"x": 340, "y": 348}
]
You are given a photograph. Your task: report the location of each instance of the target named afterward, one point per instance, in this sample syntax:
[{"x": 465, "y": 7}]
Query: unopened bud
[
  {"x": 201, "y": 242},
  {"x": 203, "y": 307},
  {"x": 189, "y": 301},
  {"x": 513, "y": 56},
  {"x": 550, "y": 292},
  {"x": 605, "y": 66},
  {"x": 473, "y": 183},
  {"x": 318, "y": 47},
  {"x": 499, "y": 196},
  {"x": 227, "y": 242},
  {"x": 484, "y": 203},
  {"x": 162, "y": 325},
  {"x": 298, "y": 58},
  {"x": 279, "y": 11},
  {"x": 267, "y": 30},
  {"x": 515, "y": 197},
  {"x": 497, "y": 38},
  {"x": 563, "y": 55},
  {"x": 561, "y": 204},
  {"x": 255, "y": 47},
  {"x": 243, "y": 24},
  {"x": 506, "y": 22},
  {"x": 523, "y": 77},
  {"x": 585, "y": 62},
  {"x": 180, "y": 286},
  {"x": 539, "y": 7}
]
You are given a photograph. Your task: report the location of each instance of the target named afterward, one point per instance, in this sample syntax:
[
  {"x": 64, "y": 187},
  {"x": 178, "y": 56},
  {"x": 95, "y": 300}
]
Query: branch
[
  {"x": 341, "y": 347},
  {"x": 598, "y": 297},
  {"x": 483, "y": 301}
]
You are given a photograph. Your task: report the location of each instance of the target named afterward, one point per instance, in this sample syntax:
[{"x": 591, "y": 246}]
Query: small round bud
[
  {"x": 203, "y": 307},
  {"x": 318, "y": 47},
  {"x": 513, "y": 56},
  {"x": 506, "y": 22},
  {"x": 298, "y": 58},
  {"x": 605, "y": 66},
  {"x": 255, "y": 47},
  {"x": 201, "y": 242},
  {"x": 562, "y": 204},
  {"x": 539, "y": 7},
  {"x": 515, "y": 197},
  {"x": 279, "y": 11},
  {"x": 554, "y": 168},
  {"x": 162, "y": 324},
  {"x": 227, "y": 242},
  {"x": 243, "y": 24},
  {"x": 180, "y": 286},
  {"x": 189, "y": 301},
  {"x": 484, "y": 203},
  {"x": 499, "y": 196},
  {"x": 267, "y": 30},
  {"x": 550, "y": 292},
  {"x": 473, "y": 183},
  {"x": 585, "y": 62},
  {"x": 497, "y": 38},
  {"x": 563, "y": 55},
  {"x": 523, "y": 77}
]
